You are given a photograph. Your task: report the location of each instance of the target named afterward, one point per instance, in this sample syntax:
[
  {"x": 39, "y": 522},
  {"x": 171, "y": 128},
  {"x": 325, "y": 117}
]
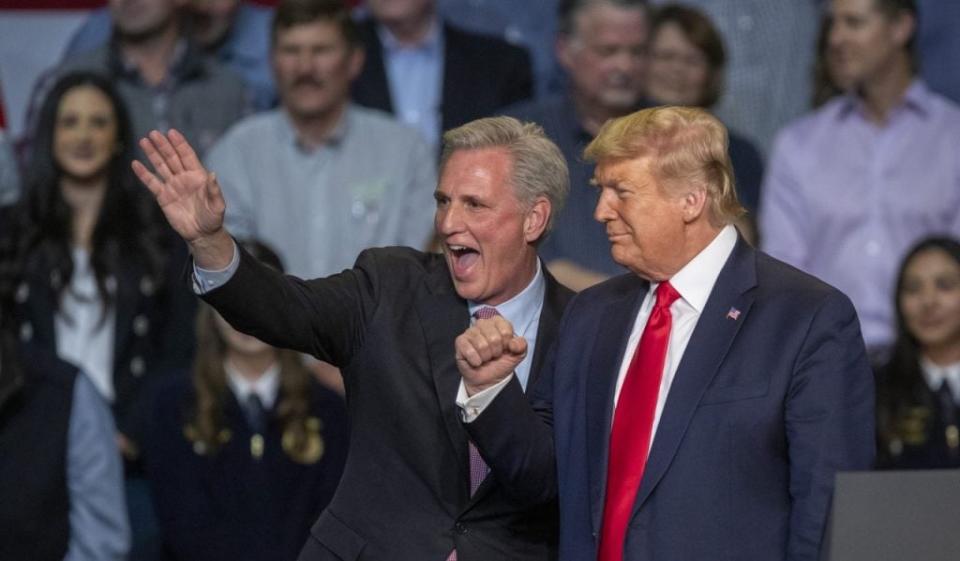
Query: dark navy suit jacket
[{"x": 765, "y": 407}]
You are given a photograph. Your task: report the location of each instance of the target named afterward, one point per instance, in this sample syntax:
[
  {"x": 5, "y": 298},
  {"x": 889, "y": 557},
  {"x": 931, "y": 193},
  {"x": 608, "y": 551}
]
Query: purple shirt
[{"x": 845, "y": 198}]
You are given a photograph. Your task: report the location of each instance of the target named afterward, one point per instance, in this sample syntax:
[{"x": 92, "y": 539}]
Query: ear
[
  {"x": 355, "y": 64},
  {"x": 535, "y": 221},
  {"x": 904, "y": 27},
  {"x": 564, "y": 50},
  {"x": 694, "y": 205}
]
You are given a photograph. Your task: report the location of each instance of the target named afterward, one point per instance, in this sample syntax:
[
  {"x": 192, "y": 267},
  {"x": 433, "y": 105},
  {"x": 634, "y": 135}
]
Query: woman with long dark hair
[
  {"x": 918, "y": 389},
  {"x": 245, "y": 451},
  {"x": 99, "y": 284}
]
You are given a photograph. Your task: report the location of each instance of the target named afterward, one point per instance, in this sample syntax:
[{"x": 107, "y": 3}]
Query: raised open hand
[{"x": 188, "y": 194}]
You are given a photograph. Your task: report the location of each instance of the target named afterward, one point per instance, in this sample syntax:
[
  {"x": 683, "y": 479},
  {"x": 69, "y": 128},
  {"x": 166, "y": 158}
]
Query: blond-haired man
[{"x": 695, "y": 408}]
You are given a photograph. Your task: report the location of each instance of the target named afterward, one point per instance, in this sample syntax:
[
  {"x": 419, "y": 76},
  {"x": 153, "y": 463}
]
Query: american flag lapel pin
[{"x": 733, "y": 314}]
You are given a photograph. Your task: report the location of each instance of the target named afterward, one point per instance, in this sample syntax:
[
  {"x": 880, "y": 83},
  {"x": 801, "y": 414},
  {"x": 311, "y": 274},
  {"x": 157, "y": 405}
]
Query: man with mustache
[{"x": 319, "y": 178}]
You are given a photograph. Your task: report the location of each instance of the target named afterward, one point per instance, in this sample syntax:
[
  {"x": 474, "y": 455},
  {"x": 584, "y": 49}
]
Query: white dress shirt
[
  {"x": 265, "y": 387},
  {"x": 936, "y": 375}
]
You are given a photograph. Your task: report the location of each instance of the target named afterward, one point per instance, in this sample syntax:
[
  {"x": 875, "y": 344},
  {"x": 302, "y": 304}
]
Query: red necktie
[{"x": 633, "y": 425}]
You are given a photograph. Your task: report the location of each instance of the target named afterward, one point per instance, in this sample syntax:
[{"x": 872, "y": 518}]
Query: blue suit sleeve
[
  {"x": 829, "y": 419},
  {"x": 99, "y": 529}
]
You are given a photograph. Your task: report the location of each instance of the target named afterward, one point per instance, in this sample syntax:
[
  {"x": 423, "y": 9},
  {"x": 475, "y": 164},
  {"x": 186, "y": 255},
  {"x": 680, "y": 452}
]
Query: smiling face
[
  {"x": 930, "y": 299},
  {"x": 314, "y": 65},
  {"x": 863, "y": 42},
  {"x": 678, "y": 69},
  {"x": 486, "y": 231},
  {"x": 606, "y": 55},
  {"x": 85, "y": 134},
  {"x": 644, "y": 222}
]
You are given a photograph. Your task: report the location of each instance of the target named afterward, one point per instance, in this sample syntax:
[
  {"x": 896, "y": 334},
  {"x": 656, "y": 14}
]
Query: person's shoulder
[
  {"x": 380, "y": 131},
  {"x": 537, "y": 110},
  {"x": 251, "y": 132},
  {"x": 401, "y": 259},
  {"x": 94, "y": 60},
  {"x": 779, "y": 280},
  {"x": 479, "y": 41},
  {"x": 814, "y": 128},
  {"x": 614, "y": 289}
]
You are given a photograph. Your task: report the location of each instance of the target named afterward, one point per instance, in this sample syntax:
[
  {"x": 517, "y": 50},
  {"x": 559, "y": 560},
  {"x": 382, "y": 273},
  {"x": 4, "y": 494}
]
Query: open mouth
[{"x": 462, "y": 258}]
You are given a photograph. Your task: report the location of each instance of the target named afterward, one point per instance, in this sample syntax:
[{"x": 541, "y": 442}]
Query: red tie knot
[
  {"x": 486, "y": 312},
  {"x": 666, "y": 295}
]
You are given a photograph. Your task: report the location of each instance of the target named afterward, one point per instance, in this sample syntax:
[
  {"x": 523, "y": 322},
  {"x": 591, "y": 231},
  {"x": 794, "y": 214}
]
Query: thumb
[{"x": 517, "y": 346}]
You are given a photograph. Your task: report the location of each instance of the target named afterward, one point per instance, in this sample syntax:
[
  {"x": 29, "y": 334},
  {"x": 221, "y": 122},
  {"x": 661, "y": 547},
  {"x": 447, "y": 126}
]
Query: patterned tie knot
[
  {"x": 666, "y": 295},
  {"x": 486, "y": 312}
]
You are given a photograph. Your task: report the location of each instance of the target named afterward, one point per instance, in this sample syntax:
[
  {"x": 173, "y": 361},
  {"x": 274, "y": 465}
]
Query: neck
[
  {"x": 593, "y": 115},
  {"x": 85, "y": 198},
  {"x": 413, "y": 30},
  {"x": 315, "y": 130},
  {"x": 152, "y": 54},
  {"x": 943, "y": 355},
  {"x": 252, "y": 366},
  {"x": 886, "y": 90}
]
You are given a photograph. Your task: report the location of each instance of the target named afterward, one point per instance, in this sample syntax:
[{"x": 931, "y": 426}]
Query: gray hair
[
  {"x": 568, "y": 10},
  {"x": 539, "y": 168}
]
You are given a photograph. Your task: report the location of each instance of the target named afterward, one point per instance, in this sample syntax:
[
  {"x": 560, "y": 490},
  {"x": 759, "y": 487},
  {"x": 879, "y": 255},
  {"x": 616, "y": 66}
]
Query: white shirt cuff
[
  {"x": 205, "y": 280},
  {"x": 473, "y": 405}
]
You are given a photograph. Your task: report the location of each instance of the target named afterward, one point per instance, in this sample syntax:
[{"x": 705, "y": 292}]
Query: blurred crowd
[{"x": 136, "y": 423}]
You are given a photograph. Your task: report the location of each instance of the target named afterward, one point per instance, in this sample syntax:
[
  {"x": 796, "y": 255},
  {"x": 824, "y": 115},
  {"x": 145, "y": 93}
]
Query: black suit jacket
[
  {"x": 389, "y": 324},
  {"x": 481, "y": 74}
]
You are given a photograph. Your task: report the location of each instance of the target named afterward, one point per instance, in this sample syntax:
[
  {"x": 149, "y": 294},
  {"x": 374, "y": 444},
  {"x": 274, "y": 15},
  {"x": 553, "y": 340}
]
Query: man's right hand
[
  {"x": 189, "y": 196},
  {"x": 487, "y": 353}
]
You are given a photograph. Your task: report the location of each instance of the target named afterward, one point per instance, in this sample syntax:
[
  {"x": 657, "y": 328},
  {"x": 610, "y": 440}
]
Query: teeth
[{"x": 457, "y": 247}]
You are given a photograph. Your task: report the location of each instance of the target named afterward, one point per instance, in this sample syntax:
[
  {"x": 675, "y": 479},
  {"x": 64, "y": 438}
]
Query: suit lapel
[
  {"x": 444, "y": 316},
  {"x": 554, "y": 302},
  {"x": 607, "y": 356},
  {"x": 705, "y": 352}
]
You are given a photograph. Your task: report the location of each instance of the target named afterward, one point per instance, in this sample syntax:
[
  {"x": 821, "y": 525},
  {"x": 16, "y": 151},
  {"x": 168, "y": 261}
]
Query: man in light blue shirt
[{"x": 318, "y": 178}]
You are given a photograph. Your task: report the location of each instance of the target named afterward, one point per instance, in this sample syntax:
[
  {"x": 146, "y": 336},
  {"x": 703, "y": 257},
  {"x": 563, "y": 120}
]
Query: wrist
[{"x": 213, "y": 251}]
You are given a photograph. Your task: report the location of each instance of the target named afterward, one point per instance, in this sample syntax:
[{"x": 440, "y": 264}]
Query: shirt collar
[
  {"x": 522, "y": 308},
  {"x": 431, "y": 42},
  {"x": 917, "y": 98},
  {"x": 289, "y": 134},
  {"x": 935, "y": 375},
  {"x": 695, "y": 280},
  {"x": 265, "y": 387}
]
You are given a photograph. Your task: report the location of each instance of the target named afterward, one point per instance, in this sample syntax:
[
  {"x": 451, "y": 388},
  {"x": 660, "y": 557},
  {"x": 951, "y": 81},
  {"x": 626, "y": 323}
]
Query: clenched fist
[{"x": 488, "y": 352}]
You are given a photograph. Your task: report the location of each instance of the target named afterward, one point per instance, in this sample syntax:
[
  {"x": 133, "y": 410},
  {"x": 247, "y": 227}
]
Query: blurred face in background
[
  {"x": 237, "y": 342},
  {"x": 678, "y": 71},
  {"x": 398, "y": 11},
  {"x": 212, "y": 20},
  {"x": 863, "y": 42},
  {"x": 929, "y": 299},
  {"x": 139, "y": 19},
  {"x": 85, "y": 134},
  {"x": 314, "y": 65},
  {"x": 606, "y": 56}
]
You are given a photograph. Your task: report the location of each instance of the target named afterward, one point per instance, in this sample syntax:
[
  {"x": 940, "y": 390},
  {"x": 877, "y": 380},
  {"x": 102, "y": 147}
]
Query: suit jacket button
[
  {"x": 26, "y": 332},
  {"x": 23, "y": 292},
  {"x": 460, "y": 528},
  {"x": 141, "y": 325},
  {"x": 147, "y": 287},
  {"x": 137, "y": 367}
]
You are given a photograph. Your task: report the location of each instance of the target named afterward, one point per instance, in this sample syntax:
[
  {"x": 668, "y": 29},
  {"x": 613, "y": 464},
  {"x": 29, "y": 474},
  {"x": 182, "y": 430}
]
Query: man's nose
[
  {"x": 449, "y": 220},
  {"x": 603, "y": 211}
]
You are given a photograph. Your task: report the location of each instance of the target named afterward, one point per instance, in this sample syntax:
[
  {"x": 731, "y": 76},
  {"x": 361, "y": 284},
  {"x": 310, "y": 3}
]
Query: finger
[
  {"x": 467, "y": 352},
  {"x": 170, "y": 155},
  {"x": 187, "y": 155},
  {"x": 148, "y": 178},
  {"x": 493, "y": 340},
  {"x": 503, "y": 326},
  {"x": 156, "y": 159}
]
